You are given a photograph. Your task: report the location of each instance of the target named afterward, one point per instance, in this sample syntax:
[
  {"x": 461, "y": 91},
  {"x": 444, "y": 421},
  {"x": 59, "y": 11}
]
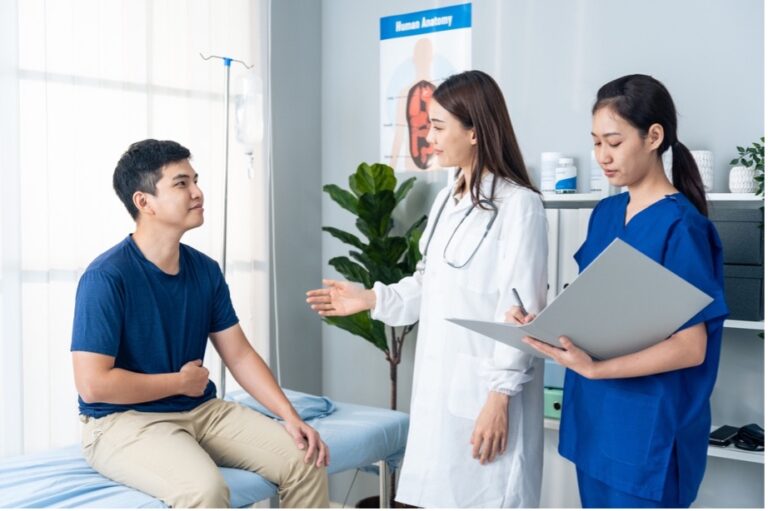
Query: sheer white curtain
[{"x": 80, "y": 81}]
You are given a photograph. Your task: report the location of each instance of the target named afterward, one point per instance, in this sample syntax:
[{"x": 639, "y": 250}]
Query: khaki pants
[{"x": 174, "y": 456}]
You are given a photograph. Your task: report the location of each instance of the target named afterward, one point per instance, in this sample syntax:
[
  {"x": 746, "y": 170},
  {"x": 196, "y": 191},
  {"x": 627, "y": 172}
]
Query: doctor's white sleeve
[
  {"x": 398, "y": 304},
  {"x": 523, "y": 266}
]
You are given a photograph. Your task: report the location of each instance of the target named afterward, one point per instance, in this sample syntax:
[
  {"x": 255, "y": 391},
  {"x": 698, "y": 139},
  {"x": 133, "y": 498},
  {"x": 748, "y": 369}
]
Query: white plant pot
[
  {"x": 742, "y": 179},
  {"x": 705, "y": 162}
]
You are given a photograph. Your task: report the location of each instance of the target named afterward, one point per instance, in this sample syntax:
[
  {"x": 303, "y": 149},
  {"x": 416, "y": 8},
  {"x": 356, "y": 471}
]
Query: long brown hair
[
  {"x": 476, "y": 100},
  {"x": 642, "y": 101}
]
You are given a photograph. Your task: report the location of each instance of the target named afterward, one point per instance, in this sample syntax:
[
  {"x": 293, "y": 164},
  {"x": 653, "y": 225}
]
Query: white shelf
[
  {"x": 744, "y": 325},
  {"x": 730, "y": 452},
  {"x": 571, "y": 200},
  {"x": 588, "y": 200},
  {"x": 733, "y": 197}
]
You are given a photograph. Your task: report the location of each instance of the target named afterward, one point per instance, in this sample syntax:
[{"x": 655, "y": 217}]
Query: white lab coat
[{"x": 456, "y": 368}]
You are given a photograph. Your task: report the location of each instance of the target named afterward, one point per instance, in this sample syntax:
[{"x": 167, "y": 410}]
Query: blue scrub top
[{"x": 623, "y": 432}]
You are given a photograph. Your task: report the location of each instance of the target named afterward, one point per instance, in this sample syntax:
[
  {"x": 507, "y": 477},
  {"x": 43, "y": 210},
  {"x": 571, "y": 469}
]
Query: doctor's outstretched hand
[{"x": 340, "y": 298}]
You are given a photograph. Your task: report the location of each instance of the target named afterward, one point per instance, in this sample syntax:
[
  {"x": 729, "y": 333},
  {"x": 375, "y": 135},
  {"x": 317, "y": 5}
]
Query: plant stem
[{"x": 393, "y": 362}]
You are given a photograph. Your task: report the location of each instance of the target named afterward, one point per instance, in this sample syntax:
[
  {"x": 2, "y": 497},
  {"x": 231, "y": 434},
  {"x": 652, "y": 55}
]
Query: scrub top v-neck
[{"x": 623, "y": 432}]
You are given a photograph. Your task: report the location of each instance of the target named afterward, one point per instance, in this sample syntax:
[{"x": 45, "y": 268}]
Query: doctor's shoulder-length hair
[{"x": 476, "y": 100}]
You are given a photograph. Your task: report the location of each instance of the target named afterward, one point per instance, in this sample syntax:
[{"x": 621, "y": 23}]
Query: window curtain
[{"x": 80, "y": 81}]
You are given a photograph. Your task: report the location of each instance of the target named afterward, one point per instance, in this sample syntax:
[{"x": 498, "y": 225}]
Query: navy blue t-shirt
[{"x": 150, "y": 321}]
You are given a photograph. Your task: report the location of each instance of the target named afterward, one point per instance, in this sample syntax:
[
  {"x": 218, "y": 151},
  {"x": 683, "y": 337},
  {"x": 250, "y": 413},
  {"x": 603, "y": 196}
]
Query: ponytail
[{"x": 687, "y": 178}]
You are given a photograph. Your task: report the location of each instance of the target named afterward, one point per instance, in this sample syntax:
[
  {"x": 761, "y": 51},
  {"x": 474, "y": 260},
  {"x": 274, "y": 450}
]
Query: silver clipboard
[{"x": 621, "y": 303}]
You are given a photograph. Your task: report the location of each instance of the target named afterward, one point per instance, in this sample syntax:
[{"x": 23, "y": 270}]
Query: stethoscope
[{"x": 422, "y": 264}]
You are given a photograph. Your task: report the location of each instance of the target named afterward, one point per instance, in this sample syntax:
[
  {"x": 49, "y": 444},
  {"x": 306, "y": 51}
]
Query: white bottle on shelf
[
  {"x": 565, "y": 176},
  {"x": 548, "y": 165}
]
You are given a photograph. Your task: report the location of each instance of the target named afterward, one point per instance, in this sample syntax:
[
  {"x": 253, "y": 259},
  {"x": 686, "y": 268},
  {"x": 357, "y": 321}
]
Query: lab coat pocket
[
  {"x": 627, "y": 426},
  {"x": 468, "y": 390}
]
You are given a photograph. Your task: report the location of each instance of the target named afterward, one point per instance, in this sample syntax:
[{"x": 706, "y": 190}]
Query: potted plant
[
  {"x": 748, "y": 174},
  {"x": 382, "y": 257}
]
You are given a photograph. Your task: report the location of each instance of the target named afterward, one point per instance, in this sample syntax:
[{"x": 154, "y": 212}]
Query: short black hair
[{"x": 141, "y": 167}]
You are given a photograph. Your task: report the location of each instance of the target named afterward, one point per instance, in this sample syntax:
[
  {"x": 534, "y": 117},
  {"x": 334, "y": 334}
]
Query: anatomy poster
[{"x": 418, "y": 51}]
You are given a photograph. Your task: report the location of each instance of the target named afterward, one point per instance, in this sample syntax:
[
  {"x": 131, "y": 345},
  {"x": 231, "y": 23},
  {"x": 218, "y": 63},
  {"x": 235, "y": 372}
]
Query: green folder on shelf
[{"x": 621, "y": 303}]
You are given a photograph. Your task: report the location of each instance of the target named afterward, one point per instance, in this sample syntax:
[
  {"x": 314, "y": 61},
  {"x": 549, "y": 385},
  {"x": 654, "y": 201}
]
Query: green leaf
[
  {"x": 351, "y": 270},
  {"x": 364, "y": 228},
  {"x": 734, "y": 161},
  {"x": 361, "y": 181},
  {"x": 413, "y": 254},
  {"x": 417, "y": 227},
  {"x": 362, "y": 325},
  {"x": 358, "y": 256},
  {"x": 349, "y": 239},
  {"x": 383, "y": 177},
  {"x": 342, "y": 197},
  {"x": 745, "y": 162},
  {"x": 372, "y": 179},
  {"x": 740, "y": 149},
  {"x": 376, "y": 211},
  {"x": 386, "y": 251},
  {"x": 757, "y": 146},
  {"x": 403, "y": 189},
  {"x": 385, "y": 273}
]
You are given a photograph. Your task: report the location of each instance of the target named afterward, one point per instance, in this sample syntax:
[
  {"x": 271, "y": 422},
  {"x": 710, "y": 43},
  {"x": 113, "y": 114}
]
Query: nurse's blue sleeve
[{"x": 694, "y": 252}]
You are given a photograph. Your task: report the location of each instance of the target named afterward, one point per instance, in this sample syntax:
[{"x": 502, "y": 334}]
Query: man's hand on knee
[{"x": 307, "y": 438}]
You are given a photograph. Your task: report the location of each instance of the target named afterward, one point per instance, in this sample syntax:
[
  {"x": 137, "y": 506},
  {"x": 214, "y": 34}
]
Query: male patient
[{"x": 144, "y": 311}]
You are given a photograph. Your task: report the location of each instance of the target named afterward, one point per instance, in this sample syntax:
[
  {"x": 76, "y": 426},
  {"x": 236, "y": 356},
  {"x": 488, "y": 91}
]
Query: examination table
[{"x": 357, "y": 436}]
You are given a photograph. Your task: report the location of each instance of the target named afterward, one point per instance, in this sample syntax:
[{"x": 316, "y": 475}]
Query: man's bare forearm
[
  {"x": 256, "y": 378},
  {"x": 122, "y": 387}
]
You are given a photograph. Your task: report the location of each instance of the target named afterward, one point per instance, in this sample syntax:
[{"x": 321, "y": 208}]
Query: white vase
[
  {"x": 742, "y": 179},
  {"x": 705, "y": 162}
]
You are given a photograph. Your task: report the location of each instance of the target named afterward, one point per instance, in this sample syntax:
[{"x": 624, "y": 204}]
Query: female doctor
[
  {"x": 475, "y": 437},
  {"x": 636, "y": 426}
]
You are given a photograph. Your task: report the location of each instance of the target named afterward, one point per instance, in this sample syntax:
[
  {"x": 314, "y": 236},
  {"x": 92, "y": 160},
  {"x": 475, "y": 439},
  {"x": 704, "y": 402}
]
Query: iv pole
[{"x": 228, "y": 64}]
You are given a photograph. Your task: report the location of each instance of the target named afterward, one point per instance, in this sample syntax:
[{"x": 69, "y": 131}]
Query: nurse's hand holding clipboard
[{"x": 568, "y": 356}]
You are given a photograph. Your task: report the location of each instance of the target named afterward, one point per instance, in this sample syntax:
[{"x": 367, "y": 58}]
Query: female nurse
[
  {"x": 636, "y": 426},
  {"x": 475, "y": 437}
]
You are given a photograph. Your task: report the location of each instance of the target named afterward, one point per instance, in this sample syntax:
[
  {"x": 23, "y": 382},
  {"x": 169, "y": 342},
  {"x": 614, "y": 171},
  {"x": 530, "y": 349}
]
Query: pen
[{"x": 518, "y": 301}]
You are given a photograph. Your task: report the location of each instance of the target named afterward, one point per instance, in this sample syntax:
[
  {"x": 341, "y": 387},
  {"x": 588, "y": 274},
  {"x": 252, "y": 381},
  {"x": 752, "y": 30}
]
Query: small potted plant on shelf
[{"x": 748, "y": 173}]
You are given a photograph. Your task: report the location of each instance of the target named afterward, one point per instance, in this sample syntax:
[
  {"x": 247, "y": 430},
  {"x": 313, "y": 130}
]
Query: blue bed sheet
[{"x": 356, "y": 436}]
